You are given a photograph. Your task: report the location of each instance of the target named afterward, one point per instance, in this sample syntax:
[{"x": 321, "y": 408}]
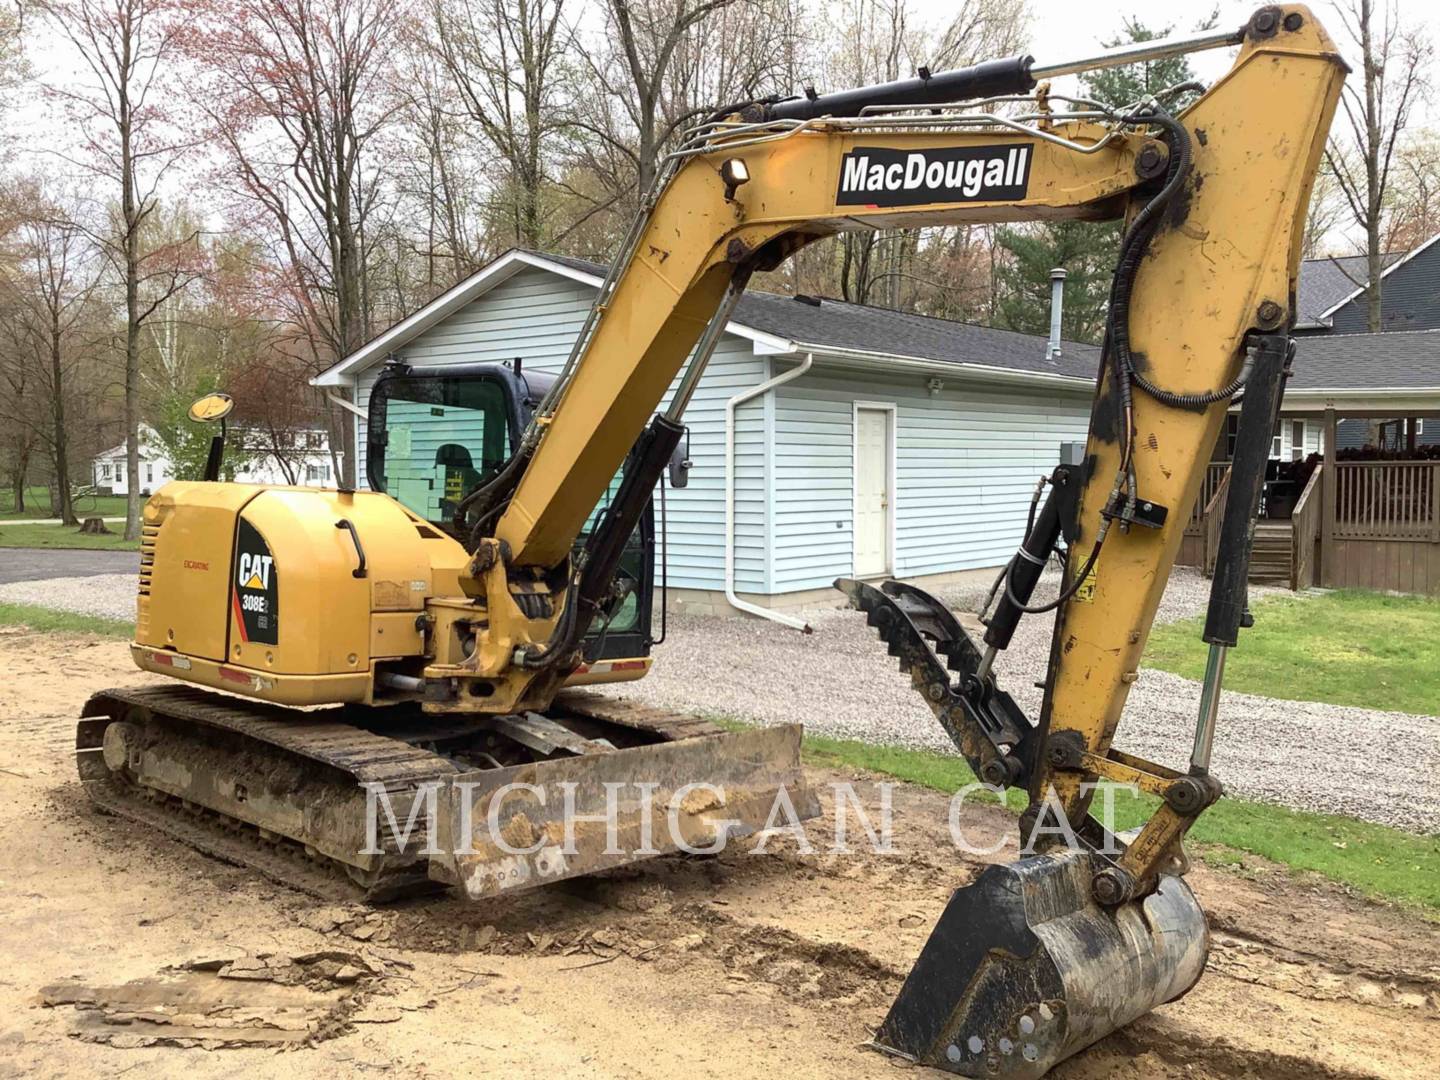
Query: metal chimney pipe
[{"x": 1057, "y": 307}]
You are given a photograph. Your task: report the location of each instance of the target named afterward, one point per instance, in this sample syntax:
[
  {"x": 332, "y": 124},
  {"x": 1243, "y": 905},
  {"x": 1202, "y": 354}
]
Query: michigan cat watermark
[{"x": 563, "y": 819}]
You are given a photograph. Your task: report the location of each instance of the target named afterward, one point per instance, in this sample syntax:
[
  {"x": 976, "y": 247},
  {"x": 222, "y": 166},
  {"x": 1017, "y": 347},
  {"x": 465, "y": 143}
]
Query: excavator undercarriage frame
[{"x": 382, "y": 804}]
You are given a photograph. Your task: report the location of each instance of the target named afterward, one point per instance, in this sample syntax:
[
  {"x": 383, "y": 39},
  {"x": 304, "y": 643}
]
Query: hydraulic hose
[{"x": 1118, "y": 360}]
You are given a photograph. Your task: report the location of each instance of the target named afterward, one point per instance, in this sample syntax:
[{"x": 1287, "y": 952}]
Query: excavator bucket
[{"x": 1024, "y": 968}]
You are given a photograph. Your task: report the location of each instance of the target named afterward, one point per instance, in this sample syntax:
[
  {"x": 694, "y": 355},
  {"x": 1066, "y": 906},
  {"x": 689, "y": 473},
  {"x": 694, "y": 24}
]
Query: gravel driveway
[
  {"x": 108, "y": 596},
  {"x": 1380, "y": 766}
]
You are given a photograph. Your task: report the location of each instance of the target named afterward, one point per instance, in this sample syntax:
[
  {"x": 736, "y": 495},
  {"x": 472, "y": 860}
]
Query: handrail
[
  {"x": 1310, "y": 485},
  {"x": 1214, "y": 471},
  {"x": 1305, "y": 530},
  {"x": 1212, "y": 519}
]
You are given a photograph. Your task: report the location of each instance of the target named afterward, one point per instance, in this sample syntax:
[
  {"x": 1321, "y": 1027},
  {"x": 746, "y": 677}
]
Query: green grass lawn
[
  {"x": 1373, "y": 860},
  {"x": 48, "y": 620},
  {"x": 1345, "y": 648},
  {"x": 37, "y": 505},
  {"x": 58, "y": 536}
]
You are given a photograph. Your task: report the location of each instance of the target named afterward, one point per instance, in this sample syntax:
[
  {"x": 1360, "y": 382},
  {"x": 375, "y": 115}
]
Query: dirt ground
[{"x": 743, "y": 965}]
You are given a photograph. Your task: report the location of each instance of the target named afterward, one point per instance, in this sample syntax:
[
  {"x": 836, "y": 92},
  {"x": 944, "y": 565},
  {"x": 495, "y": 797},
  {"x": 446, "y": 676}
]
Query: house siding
[
  {"x": 535, "y": 315},
  {"x": 1409, "y": 298},
  {"x": 966, "y": 462}
]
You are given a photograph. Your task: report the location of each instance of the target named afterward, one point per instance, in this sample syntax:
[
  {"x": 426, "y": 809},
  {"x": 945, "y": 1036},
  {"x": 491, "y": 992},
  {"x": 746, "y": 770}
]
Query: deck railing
[
  {"x": 1305, "y": 532},
  {"x": 1212, "y": 515},
  {"x": 1214, "y": 473},
  {"x": 1387, "y": 500}
]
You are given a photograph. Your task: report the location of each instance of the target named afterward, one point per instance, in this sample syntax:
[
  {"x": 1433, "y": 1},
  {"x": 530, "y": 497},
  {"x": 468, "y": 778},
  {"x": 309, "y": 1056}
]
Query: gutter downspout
[{"x": 730, "y": 406}]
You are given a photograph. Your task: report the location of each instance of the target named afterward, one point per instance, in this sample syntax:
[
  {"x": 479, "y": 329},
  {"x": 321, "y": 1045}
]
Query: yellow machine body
[{"x": 254, "y": 589}]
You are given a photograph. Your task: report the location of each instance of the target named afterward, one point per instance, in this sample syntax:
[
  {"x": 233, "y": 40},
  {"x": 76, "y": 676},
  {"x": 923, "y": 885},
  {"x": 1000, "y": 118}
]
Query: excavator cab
[{"x": 437, "y": 434}]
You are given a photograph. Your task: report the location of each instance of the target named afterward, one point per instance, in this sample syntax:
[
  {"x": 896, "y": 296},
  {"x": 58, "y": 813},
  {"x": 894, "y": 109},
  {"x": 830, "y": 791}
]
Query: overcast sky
[
  {"x": 1065, "y": 29},
  {"x": 1059, "y": 30}
]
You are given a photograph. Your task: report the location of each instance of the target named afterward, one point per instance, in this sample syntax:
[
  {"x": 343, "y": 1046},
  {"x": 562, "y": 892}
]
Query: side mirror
[
  {"x": 212, "y": 409},
  {"x": 679, "y": 468}
]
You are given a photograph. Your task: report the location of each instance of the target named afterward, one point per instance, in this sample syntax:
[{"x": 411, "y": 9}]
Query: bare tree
[
  {"x": 438, "y": 174},
  {"x": 664, "y": 64},
  {"x": 504, "y": 60},
  {"x": 1323, "y": 218},
  {"x": 127, "y": 47},
  {"x": 298, "y": 97},
  {"x": 1393, "y": 61},
  {"x": 877, "y": 42},
  {"x": 276, "y": 413},
  {"x": 1415, "y": 192},
  {"x": 46, "y": 296},
  {"x": 13, "y": 71}
]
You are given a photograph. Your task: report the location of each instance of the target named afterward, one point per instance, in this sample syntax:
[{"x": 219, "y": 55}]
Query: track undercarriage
[{"x": 376, "y": 804}]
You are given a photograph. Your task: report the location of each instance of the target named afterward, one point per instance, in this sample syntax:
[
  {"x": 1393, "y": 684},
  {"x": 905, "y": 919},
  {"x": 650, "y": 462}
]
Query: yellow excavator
[{"x": 394, "y": 675}]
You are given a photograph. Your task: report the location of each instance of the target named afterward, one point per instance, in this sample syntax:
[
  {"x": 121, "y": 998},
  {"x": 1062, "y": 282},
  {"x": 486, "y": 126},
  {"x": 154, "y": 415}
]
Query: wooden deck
[{"x": 1358, "y": 524}]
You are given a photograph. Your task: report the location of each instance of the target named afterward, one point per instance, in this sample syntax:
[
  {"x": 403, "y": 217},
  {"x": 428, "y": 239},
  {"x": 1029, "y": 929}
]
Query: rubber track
[
  {"x": 668, "y": 724},
  {"x": 229, "y": 841},
  {"x": 321, "y": 736}
]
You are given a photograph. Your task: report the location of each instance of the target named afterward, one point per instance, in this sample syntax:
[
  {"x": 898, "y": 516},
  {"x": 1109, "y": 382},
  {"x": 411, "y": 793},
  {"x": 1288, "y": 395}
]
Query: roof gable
[
  {"x": 776, "y": 325},
  {"x": 477, "y": 285},
  {"x": 1326, "y": 285}
]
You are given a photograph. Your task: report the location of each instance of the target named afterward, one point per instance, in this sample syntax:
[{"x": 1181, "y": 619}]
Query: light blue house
[{"x": 828, "y": 439}]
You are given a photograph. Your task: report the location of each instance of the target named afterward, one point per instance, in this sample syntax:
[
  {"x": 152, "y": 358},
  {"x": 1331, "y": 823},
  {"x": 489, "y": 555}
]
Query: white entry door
[{"x": 872, "y": 490}]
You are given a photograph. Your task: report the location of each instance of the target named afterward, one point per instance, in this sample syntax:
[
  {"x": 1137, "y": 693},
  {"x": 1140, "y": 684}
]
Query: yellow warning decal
[{"x": 1085, "y": 594}]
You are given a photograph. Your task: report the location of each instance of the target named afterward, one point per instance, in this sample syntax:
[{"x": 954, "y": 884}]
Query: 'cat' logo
[{"x": 253, "y": 571}]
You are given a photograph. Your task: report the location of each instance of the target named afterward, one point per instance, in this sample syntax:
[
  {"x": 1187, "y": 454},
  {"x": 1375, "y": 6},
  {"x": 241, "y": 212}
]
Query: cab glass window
[{"x": 443, "y": 437}]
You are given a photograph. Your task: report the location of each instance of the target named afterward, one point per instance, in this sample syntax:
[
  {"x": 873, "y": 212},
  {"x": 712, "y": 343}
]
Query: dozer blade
[
  {"x": 504, "y": 829},
  {"x": 1025, "y": 969}
]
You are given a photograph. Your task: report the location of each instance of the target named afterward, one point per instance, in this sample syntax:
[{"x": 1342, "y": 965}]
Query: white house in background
[
  {"x": 310, "y": 460},
  {"x": 899, "y": 444}
]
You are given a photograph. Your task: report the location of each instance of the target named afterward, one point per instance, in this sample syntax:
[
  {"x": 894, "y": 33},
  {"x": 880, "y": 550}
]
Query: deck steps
[{"x": 1272, "y": 557}]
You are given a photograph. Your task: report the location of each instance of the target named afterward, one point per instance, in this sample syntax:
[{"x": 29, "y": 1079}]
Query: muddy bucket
[
  {"x": 529, "y": 825},
  {"x": 1025, "y": 969}
]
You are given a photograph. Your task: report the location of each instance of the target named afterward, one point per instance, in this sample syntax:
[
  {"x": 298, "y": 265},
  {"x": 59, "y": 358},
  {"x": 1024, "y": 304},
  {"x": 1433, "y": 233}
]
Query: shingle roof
[
  {"x": 1401, "y": 360},
  {"x": 860, "y": 328},
  {"x": 1323, "y": 283}
]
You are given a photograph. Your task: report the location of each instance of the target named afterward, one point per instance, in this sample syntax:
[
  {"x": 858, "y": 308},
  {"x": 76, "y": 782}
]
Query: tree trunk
[
  {"x": 1374, "y": 142},
  {"x": 64, "y": 503},
  {"x": 131, "y": 243}
]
